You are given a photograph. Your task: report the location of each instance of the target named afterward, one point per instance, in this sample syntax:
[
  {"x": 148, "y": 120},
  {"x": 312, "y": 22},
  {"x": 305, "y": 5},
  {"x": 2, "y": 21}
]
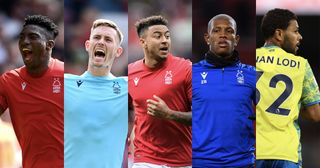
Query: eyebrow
[{"x": 161, "y": 32}]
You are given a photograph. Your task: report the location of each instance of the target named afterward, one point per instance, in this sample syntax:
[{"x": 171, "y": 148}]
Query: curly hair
[
  {"x": 145, "y": 23},
  {"x": 44, "y": 22},
  {"x": 276, "y": 19}
]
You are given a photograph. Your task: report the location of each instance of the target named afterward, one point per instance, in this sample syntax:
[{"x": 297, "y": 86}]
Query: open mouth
[
  {"x": 99, "y": 53},
  {"x": 27, "y": 54},
  {"x": 165, "y": 49},
  {"x": 26, "y": 51}
]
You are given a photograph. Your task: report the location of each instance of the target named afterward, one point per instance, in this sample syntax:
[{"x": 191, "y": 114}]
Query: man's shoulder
[
  {"x": 180, "y": 60},
  {"x": 137, "y": 63},
  {"x": 247, "y": 67},
  {"x": 58, "y": 66},
  {"x": 135, "y": 66},
  {"x": 199, "y": 64},
  {"x": 12, "y": 74},
  {"x": 274, "y": 50},
  {"x": 71, "y": 76}
]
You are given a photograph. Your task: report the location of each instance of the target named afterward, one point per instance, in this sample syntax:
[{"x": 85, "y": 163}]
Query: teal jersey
[{"x": 95, "y": 121}]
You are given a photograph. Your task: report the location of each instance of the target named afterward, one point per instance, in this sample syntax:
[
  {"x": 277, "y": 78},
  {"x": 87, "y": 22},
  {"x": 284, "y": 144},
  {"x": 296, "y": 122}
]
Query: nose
[
  {"x": 300, "y": 37},
  {"x": 101, "y": 41},
  {"x": 164, "y": 39},
  {"x": 24, "y": 40},
  {"x": 223, "y": 34}
]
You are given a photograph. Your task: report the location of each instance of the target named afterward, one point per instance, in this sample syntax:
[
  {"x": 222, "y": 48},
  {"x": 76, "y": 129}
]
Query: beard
[{"x": 288, "y": 47}]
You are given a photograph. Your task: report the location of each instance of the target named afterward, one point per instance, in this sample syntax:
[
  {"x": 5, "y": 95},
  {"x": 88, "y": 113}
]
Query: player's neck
[
  {"x": 99, "y": 71},
  {"x": 39, "y": 71},
  {"x": 154, "y": 62},
  {"x": 271, "y": 42}
]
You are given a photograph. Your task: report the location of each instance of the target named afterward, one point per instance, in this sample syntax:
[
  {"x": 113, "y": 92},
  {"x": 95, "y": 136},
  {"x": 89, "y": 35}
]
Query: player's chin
[
  {"x": 29, "y": 64},
  {"x": 163, "y": 54}
]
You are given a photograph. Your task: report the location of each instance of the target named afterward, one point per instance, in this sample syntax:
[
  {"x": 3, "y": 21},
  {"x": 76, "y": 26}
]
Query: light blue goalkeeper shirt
[{"x": 95, "y": 121}]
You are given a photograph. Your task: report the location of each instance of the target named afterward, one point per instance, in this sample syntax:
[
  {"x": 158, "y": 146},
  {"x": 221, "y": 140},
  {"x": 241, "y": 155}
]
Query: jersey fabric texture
[
  {"x": 284, "y": 83},
  {"x": 222, "y": 103},
  {"x": 95, "y": 121},
  {"x": 160, "y": 141},
  {"x": 36, "y": 110}
]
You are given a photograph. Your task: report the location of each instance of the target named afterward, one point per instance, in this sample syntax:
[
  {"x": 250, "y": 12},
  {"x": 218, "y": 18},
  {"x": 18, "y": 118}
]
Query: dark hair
[
  {"x": 276, "y": 19},
  {"x": 44, "y": 22},
  {"x": 145, "y": 23}
]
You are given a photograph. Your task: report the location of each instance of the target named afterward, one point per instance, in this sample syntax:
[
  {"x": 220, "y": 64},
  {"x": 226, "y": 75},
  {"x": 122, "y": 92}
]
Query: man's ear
[
  {"x": 237, "y": 40},
  {"x": 86, "y": 44},
  {"x": 206, "y": 38},
  {"x": 50, "y": 44},
  {"x": 142, "y": 42},
  {"x": 279, "y": 35},
  {"x": 119, "y": 51}
]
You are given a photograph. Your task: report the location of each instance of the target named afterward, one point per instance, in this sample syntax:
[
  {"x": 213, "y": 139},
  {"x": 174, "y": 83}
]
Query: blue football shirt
[
  {"x": 95, "y": 121},
  {"x": 222, "y": 103}
]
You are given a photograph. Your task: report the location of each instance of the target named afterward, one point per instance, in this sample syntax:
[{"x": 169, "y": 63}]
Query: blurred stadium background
[{"x": 309, "y": 22}]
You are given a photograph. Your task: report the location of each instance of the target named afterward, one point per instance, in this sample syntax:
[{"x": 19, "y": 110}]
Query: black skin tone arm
[{"x": 311, "y": 113}]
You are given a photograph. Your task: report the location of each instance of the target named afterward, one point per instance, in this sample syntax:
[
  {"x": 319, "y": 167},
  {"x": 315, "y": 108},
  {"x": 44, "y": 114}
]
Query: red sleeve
[
  {"x": 3, "y": 100},
  {"x": 189, "y": 81}
]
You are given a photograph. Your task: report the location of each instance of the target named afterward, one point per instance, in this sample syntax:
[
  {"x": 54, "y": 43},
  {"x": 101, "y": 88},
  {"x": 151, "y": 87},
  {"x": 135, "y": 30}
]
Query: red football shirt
[
  {"x": 36, "y": 110},
  {"x": 161, "y": 141}
]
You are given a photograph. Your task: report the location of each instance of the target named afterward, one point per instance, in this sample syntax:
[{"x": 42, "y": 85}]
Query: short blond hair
[{"x": 108, "y": 23}]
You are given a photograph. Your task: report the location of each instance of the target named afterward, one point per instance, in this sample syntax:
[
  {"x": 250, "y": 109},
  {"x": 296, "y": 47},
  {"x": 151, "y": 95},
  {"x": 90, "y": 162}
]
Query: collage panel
[
  {"x": 288, "y": 78},
  {"x": 96, "y": 87},
  {"x": 223, "y": 84},
  {"x": 159, "y": 82},
  {"x": 31, "y": 84}
]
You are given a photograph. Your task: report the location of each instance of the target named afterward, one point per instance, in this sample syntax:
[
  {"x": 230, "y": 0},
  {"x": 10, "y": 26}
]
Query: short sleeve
[{"x": 310, "y": 91}]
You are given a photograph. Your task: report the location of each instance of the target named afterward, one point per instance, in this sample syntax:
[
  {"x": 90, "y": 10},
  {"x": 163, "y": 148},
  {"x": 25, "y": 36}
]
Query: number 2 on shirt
[{"x": 274, "y": 107}]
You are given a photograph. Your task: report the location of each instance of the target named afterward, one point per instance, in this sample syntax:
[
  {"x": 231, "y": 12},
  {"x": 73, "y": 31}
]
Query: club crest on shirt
[
  {"x": 136, "y": 80},
  {"x": 23, "y": 85},
  {"x": 56, "y": 85},
  {"x": 240, "y": 77},
  {"x": 168, "y": 78},
  {"x": 116, "y": 88},
  {"x": 79, "y": 82},
  {"x": 204, "y": 75}
]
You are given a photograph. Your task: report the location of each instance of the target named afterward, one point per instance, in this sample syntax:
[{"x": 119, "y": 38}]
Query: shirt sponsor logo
[
  {"x": 23, "y": 85},
  {"x": 168, "y": 78},
  {"x": 79, "y": 82},
  {"x": 136, "y": 80},
  {"x": 116, "y": 88},
  {"x": 56, "y": 85},
  {"x": 240, "y": 77},
  {"x": 204, "y": 75}
]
